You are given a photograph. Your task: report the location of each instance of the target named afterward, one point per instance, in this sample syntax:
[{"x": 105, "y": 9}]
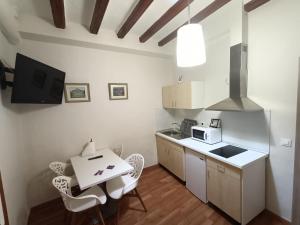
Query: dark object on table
[
  {"x": 99, "y": 172},
  {"x": 110, "y": 167},
  {"x": 96, "y": 157}
]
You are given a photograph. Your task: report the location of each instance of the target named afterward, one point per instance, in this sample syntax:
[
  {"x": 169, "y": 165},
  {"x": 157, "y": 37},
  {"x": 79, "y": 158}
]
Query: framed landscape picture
[
  {"x": 118, "y": 91},
  {"x": 77, "y": 92},
  {"x": 3, "y": 208}
]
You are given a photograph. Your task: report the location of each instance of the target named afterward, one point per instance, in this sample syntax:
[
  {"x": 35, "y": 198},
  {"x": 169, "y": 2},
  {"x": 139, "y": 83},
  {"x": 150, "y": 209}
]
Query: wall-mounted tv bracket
[{"x": 3, "y": 82}]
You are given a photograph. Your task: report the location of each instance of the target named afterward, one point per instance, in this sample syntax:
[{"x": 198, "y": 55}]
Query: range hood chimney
[{"x": 238, "y": 100}]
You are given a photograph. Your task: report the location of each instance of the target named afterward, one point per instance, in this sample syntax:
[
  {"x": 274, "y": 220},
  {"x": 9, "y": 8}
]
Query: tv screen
[{"x": 36, "y": 82}]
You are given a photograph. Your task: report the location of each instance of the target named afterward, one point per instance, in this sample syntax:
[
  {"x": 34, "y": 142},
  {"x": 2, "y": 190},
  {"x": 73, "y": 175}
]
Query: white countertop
[{"x": 240, "y": 161}]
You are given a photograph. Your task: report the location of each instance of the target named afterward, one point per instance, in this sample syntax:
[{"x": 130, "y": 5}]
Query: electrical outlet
[{"x": 286, "y": 142}]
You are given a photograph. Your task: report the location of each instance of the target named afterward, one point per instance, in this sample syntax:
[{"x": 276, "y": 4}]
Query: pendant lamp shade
[{"x": 190, "y": 46}]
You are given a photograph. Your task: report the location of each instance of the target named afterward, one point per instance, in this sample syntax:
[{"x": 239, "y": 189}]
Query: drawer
[{"x": 224, "y": 168}]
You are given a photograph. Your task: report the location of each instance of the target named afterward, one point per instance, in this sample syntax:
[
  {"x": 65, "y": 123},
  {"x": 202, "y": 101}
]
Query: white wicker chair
[
  {"x": 61, "y": 169},
  {"x": 122, "y": 185},
  {"x": 91, "y": 198}
]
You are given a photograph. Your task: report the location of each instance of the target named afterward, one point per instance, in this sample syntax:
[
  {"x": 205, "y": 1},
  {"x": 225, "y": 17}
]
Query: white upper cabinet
[{"x": 187, "y": 95}]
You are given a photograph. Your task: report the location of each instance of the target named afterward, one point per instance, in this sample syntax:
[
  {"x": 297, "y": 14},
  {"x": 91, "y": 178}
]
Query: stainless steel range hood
[{"x": 238, "y": 100}]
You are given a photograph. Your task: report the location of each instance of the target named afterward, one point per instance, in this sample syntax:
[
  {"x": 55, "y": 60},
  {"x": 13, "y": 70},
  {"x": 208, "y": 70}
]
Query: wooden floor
[{"x": 168, "y": 203}]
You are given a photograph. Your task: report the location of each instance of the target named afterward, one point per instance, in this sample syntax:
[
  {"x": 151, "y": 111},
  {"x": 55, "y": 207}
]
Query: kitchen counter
[{"x": 240, "y": 161}]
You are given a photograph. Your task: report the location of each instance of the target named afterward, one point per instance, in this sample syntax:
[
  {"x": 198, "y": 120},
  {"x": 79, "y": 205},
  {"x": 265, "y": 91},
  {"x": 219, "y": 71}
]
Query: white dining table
[{"x": 109, "y": 163}]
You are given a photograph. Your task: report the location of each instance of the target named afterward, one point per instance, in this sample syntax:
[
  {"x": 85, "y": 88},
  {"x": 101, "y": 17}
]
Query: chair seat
[
  {"x": 120, "y": 186},
  {"x": 78, "y": 205}
]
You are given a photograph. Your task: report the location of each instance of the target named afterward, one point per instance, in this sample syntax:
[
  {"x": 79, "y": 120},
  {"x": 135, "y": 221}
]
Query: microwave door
[{"x": 199, "y": 134}]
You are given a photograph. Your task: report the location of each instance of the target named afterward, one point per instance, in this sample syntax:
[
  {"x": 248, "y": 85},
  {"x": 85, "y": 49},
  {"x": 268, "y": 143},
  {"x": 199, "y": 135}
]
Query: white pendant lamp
[{"x": 190, "y": 45}]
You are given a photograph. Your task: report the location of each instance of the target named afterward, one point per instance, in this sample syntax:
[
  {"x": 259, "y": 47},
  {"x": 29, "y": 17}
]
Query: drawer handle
[{"x": 221, "y": 169}]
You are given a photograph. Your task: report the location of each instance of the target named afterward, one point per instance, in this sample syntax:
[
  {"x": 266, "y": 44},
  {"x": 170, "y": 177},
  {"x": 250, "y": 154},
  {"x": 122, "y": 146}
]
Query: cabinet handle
[
  {"x": 208, "y": 174},
  {"x": 221, "y": 169}
]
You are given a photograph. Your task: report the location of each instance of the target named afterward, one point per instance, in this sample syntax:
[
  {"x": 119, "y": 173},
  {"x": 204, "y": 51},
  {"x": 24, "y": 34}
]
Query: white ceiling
[{"x": 80, "y": 11}]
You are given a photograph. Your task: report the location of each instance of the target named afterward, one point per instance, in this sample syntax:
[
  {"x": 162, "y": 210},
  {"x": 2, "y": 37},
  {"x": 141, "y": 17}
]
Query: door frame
[
  {"x": 4, "y": 207},
  {"x": 296, "y": 192}
]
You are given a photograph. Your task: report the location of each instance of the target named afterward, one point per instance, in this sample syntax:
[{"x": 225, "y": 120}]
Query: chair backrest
[
  {"x": 58, "y": 167},
  {"x": 137, "y": 162},
  {"x": 63, "y": 185}
]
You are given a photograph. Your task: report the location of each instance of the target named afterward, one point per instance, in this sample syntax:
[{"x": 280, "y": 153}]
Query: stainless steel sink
[{"x": 173, "y": 134}]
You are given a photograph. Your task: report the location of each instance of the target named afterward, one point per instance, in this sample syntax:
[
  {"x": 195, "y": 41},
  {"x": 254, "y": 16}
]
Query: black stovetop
[{"x": 228, "y": 151}]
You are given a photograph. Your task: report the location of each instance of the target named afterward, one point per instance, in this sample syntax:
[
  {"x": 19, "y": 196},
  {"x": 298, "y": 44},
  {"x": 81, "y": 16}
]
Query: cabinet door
[
  {"x": 171, "y": 156},
  {"x": 177, "y": 160},
  {"x": 168, "y": 96},
  {"x": 231, "y": 196},
  {"x": 182, "y": 96},
  {"x": 162, "y": 152},
  {"x": 214, "y": 187},
  {"x": 195, "y": 173},
  {"x": 187, "y": 95},
  {"x": 224, "y": 188}
]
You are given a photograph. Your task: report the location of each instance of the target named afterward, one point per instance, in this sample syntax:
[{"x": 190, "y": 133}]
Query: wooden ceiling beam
[
  {"x": 210, "y": 9},
  {"x": 164, "y": 19},
  {"x": 135, "y": 15},
  {"x": 248, "y": 7},
  {"x": 99, "y": 11},
  {"x": 58, "y": 13}
]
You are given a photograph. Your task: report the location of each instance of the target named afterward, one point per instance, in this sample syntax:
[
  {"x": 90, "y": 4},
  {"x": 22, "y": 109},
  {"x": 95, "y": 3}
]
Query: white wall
[
  {"x": 12, "y": 156},
  {"x": 60, "y": 131},
  {"x": 274, "y": 49}
]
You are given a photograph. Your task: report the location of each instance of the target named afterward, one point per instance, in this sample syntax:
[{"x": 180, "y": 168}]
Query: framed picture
[
  {"x": 215, "y": 123},
  {"x": 77, "y": 92},
  {"x": 118, "y": 91},
  {"x": 3, "y": 208}
]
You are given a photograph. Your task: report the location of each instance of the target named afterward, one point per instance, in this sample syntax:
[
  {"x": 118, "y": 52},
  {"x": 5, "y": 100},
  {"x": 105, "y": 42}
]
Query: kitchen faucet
[{"x": 174, "y": 124}]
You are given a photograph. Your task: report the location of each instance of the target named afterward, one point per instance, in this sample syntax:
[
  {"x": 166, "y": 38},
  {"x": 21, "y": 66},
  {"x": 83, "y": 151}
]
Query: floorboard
[{"x": 168, "y": 203}]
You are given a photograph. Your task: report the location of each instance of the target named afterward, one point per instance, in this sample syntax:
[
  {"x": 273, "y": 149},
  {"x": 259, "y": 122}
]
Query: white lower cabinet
[{"x": 195, "y": 173}]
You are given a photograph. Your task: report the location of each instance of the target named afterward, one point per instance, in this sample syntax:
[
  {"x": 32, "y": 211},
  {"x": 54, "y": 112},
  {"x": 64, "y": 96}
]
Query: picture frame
[
  {"x": 215, "y": 123},
  {"x": 118, "y": 91},
  {"x": 77, "y": 92},
  {"x": 3, "y": 207}
]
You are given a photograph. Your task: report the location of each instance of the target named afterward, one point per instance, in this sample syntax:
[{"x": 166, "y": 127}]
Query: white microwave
[{"x": 208, "y": 135}]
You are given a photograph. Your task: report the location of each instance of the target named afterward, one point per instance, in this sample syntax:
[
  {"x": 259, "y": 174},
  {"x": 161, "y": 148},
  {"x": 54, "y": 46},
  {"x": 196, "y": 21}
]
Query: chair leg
[
  {"x": 118, "y": 211},
  {"x": 67, "y": 217},
  {"x": 141, "y": 200},
  {"x": 99, "y": 213},
  {"x": 72, "y": 219}
]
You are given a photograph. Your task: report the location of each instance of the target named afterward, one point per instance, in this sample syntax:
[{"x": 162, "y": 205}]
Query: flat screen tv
[{"x": 36, "y": 83}]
